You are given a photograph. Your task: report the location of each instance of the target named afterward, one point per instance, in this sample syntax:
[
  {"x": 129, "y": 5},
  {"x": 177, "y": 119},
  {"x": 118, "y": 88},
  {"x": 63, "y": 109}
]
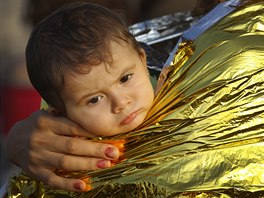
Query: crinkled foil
[{"x": 204, "y": 136}]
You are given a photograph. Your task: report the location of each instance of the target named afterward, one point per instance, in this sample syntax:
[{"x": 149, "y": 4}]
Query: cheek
[
  {"x": 145, "y": 91},
  {"x": 88, "y": 117},
  {"x": 98, "y": 124},
  {"x": 149, "y": 91},
  {"x": 150, "y": 96},
  {"x": 79, "y": 115}
]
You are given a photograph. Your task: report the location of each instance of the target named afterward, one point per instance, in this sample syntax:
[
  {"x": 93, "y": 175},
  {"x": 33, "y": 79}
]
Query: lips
[{"x": 130, "y": 118}]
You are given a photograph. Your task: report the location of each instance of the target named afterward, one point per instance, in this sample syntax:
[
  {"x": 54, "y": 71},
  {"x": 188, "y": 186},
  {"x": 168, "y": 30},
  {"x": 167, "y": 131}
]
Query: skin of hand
[{"x": 43, "y": 143}]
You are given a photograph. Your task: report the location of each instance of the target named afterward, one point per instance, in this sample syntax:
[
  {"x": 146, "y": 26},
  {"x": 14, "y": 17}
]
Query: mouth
[{"x": 130, "y": 118}]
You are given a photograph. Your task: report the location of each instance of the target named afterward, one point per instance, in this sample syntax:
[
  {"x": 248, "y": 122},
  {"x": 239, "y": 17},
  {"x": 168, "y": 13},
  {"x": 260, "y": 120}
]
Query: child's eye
[
  {"x": 95, "y": 100},
  {"x": 126, "y": 78}
]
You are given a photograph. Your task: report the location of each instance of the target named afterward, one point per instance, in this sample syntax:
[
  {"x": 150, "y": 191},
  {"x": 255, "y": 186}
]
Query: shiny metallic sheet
[{"x": 204, "y": 136}]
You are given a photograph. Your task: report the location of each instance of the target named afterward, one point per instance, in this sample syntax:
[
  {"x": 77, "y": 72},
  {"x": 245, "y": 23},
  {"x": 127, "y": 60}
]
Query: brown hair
[{"x": 73, "y": 35}]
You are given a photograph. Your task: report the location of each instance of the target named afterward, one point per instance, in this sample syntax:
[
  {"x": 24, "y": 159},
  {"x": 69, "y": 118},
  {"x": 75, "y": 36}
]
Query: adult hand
[{"x": 43, "y": 143}]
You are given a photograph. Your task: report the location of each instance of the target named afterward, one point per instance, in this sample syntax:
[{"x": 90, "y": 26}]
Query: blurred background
[{"x": 17, "y": 18}]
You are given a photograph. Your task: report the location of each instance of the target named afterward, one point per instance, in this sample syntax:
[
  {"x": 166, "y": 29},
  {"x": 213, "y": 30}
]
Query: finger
[
  {"x": 62, "y": 126},
  {"x": 84, "y": 147},
  {"x": 69, "y": 128},
  {"x": 51, "y": 179},
  {"x": 78, "y": 163}
]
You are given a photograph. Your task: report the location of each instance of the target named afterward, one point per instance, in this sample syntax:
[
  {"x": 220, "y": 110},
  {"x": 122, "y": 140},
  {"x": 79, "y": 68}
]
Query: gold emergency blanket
[{"x": 204, "y": 136}]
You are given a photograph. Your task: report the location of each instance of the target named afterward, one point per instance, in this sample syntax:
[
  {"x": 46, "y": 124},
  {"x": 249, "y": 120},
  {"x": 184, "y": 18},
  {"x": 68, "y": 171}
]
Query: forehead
[
  {"x": 115, "y": 50},
  {"x": 119, "y": 55}
]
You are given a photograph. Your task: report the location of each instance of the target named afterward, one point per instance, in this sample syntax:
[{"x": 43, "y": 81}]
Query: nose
[{"x": 120, "y": 101}]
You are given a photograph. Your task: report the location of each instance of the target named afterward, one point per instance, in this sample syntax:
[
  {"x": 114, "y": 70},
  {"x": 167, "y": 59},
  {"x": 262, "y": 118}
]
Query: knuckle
[
  {"x": 63, "y": 163},
  {"x": 33, "y": 141},
  {"x": 99, "y": 150},
  {"x": 71, "y": 146},
  {"x": 31, "y": 158},
  {"x": 91, "y": 165},
  {"x": 73, "y": 129},
  {"x": 50, "y": 180},
  {"x": 41, "y": 121},
  {"x": 68, "y": 186},
  {"x": 30, "y": 170}
]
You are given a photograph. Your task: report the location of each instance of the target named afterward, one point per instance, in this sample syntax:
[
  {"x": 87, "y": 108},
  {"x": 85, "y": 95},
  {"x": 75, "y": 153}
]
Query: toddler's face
[{"x": 109, "y": 100}]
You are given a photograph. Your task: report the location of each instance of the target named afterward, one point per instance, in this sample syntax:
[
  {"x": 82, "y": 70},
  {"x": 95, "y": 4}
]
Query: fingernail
[
  {"x": 79, "y": 186},
  {"x": 103, "y": 164},
  {"x": 111, "y": 152}
]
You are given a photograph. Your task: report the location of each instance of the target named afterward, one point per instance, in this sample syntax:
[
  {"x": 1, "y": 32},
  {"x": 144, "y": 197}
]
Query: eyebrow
[{"x": 130, "y": 67}]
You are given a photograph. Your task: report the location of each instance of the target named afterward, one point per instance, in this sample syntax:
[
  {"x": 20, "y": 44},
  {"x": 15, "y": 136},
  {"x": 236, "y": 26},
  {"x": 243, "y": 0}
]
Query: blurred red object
[{"x": 17, "y": 103}]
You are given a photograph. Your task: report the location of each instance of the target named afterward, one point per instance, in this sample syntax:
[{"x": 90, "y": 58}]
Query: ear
[{"x": 53, "y": 111}]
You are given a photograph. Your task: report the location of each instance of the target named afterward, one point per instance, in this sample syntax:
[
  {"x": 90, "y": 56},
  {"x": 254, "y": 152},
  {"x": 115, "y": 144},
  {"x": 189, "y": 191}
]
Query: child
[{"x": 88, "y": 67}]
